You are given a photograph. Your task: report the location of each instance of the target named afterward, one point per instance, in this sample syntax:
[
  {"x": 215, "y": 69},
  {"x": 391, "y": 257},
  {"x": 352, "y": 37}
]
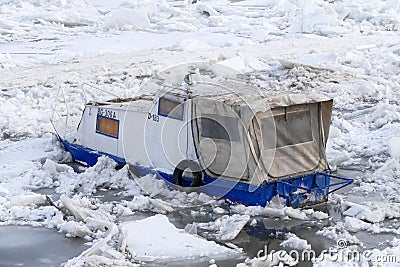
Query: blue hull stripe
[{"x": 304, "y": 190}]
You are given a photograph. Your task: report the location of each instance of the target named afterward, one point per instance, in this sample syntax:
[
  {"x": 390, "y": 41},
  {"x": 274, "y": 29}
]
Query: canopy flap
[
  {"x": 239, "y": 141},
  {"x": 292, "y": 139}
]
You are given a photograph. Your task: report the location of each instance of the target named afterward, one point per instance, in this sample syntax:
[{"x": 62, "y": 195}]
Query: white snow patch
[
  {"x": 75, "y": 229},
  {"x": 155, "y": 236},
  {"x": 45, "y": 42},
  {"x": 294, "y": 242},
  {"x": 3, "y": 191},
  {"x": 334, "y": 132},
  {"x": 319, "y": 215},
  {"x": 394, "y": 147},
  {"x": 26, "y": 200},
  {"x": 280, "y": 258},
  {"x": 275, "y": 209},
  {"x": 370, "y": 214},
  {"x": 219, "y": 210},
  {"x": 229, "y": 67},
  {"x": 354, "y": 225},
  {"x": 338, "y": 232},
  {"x": 123, "y": 18},
  {"x": 224, "y": 228},
  {"x": 193, "y": 45}
]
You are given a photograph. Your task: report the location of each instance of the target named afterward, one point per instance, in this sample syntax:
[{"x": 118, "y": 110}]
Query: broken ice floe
[
  {"x": 294, "y": 242},
  {"x": 224, "y": 228},
  {"x": 155, "y": 238}
]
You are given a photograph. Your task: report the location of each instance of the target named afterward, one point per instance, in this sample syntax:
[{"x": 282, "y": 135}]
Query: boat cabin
[{"x": 246, "y": 145}]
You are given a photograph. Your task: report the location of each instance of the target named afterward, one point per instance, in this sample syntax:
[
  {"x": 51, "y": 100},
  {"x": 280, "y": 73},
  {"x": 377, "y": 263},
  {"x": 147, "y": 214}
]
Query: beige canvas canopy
[{"x": 264, "y": 138}]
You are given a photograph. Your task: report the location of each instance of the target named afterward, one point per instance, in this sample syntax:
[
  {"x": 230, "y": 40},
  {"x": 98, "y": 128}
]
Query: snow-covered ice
[
  {"x": 293, "y": 241},
  {"x": 279, "y": 258},
  {"x": 346, "y": 49},
  {"x": 155, "y": 238},
  {"x": 224, "y": 228}
]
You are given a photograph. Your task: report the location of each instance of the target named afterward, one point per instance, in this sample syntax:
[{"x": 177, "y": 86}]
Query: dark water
[{"x": 28, "y": 246}]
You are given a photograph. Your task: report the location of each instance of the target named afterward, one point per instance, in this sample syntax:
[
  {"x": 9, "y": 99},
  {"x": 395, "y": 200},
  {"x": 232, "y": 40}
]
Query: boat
[{"x": 247, "y": 145}]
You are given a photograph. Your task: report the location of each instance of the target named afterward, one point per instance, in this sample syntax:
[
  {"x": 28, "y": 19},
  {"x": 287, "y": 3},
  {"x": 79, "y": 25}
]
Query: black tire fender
[{"x": 194, "y": 168}]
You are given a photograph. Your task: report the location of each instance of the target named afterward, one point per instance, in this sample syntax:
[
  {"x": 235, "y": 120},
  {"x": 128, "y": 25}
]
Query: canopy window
[
  {"x": 220, "y": 127},
  {"x": 292, "y": 128},
  {"x": 292, "y": 139},
  {"x": 220, "y": 139},
  {"x": 259, "y": 144}
]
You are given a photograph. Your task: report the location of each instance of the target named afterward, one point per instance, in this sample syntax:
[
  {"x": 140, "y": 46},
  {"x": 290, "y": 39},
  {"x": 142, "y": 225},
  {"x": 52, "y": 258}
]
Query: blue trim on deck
[
  {"x": 87, "y": 155},
  {"x": 299, "y": 191}
]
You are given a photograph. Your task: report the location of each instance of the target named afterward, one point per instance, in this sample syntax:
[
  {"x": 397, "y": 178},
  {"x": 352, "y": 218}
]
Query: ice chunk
[
  {"x": 103, "y": 174},
  {"x": 207, "y": 9},
  {"x": 310, "y": 15},
  {"x": 334, "y": 132},
  {"x": 97, "y": 260},
  {"x": 319, "y": 215},
  {"x": 82, "y": 210},
  {"x": 363, "y": 212},
  {"x": 229, "y": 67},
  {"x": 258, "y": 210},
  {"x": 394, "y": 147},
  {"x": 358, "y": 60},
  {"x": 276, "y": 209},
  {"x": 295, "y": 242},
  {"x": 123, "y": 17},
  {"x": 26, "y": 200},
  {"x": 79, "y": 212},
  {"x": 252, "y": 3},
  {"x": 3, "y": 191},
  {"x": 143, "y": 203},
  {"x": 26, "y": 150},
  {"x": 317, "y": 59},
  {"x": 193, "y": 45},
  {"x": 227, "y": 227},
  {"x": 353, "y": 224},
  {"x": 219, "y": 210},
  {"x": 338, "y": 232},
  {"x": 73, "y": 228},
  {"x": 157, "y": 237},
  {"x": 295, "y": 213},
  {"x": 279, "y": 258},
  {"x": 392, "y": 4}
]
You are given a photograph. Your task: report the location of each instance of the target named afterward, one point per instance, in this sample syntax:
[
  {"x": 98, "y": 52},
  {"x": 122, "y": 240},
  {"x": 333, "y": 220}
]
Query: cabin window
[
  {"x": 220, "y": 127},
  {"x": 292, "y": 128},
  {"x": 170, "y": 108},
  {"x": 107, "y": 126}
]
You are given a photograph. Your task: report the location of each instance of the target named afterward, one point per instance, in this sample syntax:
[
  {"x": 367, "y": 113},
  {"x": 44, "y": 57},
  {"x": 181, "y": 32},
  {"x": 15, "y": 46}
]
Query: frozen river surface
[
  {"x": 29, "y": 246},
  {"x": 32, "y": 246},
  {"x": 348, "y": 50}
]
